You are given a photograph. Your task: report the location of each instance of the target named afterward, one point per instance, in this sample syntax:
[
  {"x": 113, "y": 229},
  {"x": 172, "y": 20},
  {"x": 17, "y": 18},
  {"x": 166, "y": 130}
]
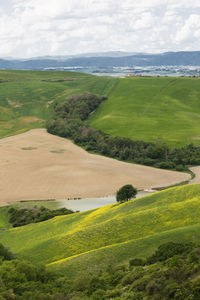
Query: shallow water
[{"x": 91, "y": 203}]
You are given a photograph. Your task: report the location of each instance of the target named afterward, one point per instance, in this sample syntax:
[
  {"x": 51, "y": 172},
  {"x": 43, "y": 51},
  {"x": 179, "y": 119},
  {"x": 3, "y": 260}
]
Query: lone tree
[{"x": 126, "y": 193}]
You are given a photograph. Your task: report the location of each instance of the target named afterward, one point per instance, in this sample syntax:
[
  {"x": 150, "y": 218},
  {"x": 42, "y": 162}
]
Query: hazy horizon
[{"x": 88, "y": 54}]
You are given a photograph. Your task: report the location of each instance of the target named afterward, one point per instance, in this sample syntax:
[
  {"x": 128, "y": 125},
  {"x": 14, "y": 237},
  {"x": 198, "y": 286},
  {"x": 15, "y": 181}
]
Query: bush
[
  {"x": 136, "y": 262},
  {"x": 98, "y": 295},
  {"x": 5, "y": 253},
  {"x": 20, "y": 217},
  {"x": 94, "y": 284},
  {"x": 168, "y": 250}
]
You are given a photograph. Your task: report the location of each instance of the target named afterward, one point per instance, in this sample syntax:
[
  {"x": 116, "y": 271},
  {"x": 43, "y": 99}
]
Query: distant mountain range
[{"x": 104, "y": 60}]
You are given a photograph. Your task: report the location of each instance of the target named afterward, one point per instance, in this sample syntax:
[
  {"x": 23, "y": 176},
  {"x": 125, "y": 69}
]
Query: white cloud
[
  {"x": 56, "y": 27},
  {"x": 190, "y": 30}
]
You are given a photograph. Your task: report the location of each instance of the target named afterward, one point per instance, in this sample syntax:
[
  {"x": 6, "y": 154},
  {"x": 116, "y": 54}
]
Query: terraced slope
[
  {"x": 152, "y": 109},
  {"x": 115, "y": 232},
  {"x": 26, "y": 97}
]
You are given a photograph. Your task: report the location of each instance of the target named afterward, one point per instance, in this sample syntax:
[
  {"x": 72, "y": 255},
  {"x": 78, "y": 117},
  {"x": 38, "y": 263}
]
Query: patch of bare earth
[
  {"x": 14, "y": 103},
  {"x": 55, "y": 168},
  {"x": 30, "y": 119}
]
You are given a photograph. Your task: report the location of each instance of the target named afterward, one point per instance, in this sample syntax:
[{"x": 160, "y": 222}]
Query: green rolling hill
[
  {"x": 152, "y": 109},
  {"x": 149, "y": 109},
  {"x": 112, "y": 233},
  {"x": 26, "y": 97},
  {"x": 140, "y": 108}
]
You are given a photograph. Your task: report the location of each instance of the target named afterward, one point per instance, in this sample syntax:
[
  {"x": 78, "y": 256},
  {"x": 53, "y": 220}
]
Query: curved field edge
[
  {"x": 152, "y": 109},
  {"x": 27, "y": 97},
  {"x": 39, "y": 165},
  {"x": 67, "y": 236},
  {"x": 121, "y": 253}
]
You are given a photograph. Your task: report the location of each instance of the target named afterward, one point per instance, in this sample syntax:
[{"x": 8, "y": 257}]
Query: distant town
[{"x": 152, "y": 71}]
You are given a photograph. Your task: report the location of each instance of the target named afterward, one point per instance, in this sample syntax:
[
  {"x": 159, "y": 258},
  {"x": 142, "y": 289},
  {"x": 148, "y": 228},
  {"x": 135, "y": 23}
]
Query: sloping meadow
[
  {"x": 27, "y": 97},
  {"x": 152, "y": 110},
  {"x": 112, "y": 233}
]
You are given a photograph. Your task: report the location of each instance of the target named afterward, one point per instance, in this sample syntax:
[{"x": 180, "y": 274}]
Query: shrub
[
  {"x": 5, "y": 253},
  {"x": 136, "y": 262},
  {"x": 168, "y": 250},
  {"x": 20, "y": 217}
]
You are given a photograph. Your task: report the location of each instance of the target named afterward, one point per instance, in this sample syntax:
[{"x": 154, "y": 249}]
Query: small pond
[
  {"x": 91, "y": 203},
  {"x": 74, "y": 204}
]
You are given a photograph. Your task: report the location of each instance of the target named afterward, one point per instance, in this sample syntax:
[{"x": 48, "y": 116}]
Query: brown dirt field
[{"x": 36, "y": 166}]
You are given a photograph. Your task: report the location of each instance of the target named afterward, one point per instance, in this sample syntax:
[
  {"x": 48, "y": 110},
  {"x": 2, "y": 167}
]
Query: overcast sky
[{"x": 30, "y": 28}]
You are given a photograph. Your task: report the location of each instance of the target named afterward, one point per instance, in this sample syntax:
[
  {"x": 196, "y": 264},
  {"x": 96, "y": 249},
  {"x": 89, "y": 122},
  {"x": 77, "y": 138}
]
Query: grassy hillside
[
  {"x": 26, "y": 97},
  {"x": 115, "y": 232},
  {"x": 4, "y": 217},
  {"x": 152, "y": 109},
  {"x": 146, "y": 109}
]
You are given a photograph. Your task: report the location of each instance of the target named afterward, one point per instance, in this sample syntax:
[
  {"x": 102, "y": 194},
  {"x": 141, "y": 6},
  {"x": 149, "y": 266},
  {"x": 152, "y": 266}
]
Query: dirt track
[
  {"x": 36, "y": 165},
  {"x": 196, "y": 171}
]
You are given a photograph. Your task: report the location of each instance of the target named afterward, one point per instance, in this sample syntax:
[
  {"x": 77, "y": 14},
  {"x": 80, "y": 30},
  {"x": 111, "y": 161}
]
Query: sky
[{"x": 31, "y": 28}]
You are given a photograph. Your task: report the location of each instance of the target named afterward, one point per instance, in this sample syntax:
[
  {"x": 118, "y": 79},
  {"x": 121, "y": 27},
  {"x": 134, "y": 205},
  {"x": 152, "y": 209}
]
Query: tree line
[
  {"x": 69, "y": 120},
  {"x": 171, "y": 272},
  {"x": 24, "y": 216}
]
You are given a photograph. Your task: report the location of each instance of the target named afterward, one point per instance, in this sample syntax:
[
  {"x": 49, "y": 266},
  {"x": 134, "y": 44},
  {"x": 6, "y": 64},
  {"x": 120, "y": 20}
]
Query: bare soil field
[{"x": 38, "y": 166}]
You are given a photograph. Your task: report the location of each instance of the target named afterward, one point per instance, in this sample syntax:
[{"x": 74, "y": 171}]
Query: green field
[
  {"x": 152, "y": 109},
  {"x": 27, "y": 97},
  {"x": 113, "y": 233},
  {"x": 4, "y": 217},
  {"x": 140, "y": 108}
]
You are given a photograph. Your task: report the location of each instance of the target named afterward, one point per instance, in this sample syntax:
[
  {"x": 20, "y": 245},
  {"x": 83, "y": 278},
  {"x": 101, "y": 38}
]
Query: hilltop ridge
[{"x": 102, "y": 60}]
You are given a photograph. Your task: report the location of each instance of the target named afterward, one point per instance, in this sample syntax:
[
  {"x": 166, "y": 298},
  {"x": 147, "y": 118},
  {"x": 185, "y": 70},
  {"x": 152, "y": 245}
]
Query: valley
[
  {"x": 36, "y": 166},
  {"x": 99, "y": 150}
]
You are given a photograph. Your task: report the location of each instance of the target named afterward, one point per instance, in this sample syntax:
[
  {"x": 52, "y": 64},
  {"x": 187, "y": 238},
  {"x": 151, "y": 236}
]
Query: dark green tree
[{"x": 126, "y": 193}]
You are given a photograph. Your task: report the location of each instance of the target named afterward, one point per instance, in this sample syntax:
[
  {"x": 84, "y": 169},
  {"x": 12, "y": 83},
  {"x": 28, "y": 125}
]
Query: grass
[
  {"x": 92, "y": 261},
  {"x": 152, "y": 109},
  {"x": 4, "y": 217},
  {"x": 149, "y": 109},
  {"x": 114, "y": 232},
  {"x": 29, "y": 148},
  {"x": 27, "y": 97},
  {"x": 59, "y": 151}
]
